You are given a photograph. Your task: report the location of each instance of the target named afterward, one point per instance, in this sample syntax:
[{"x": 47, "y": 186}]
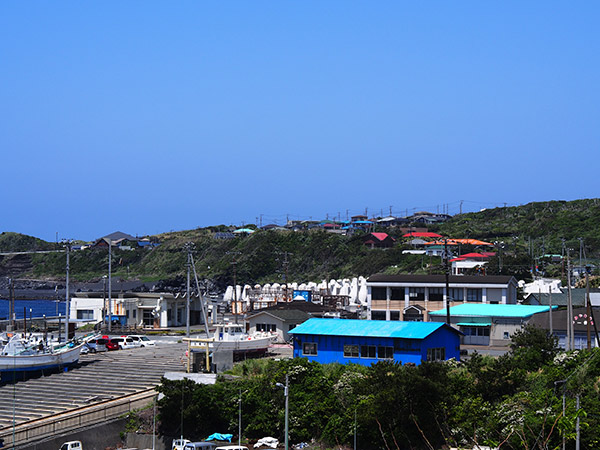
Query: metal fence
[{"x": 40, "y": 429}]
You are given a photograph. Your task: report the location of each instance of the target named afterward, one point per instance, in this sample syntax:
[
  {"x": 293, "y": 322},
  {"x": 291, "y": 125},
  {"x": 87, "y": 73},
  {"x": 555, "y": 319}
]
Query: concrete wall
[
  {"x": 107, "y": 434},
  {"x": 133, "y": 440}
]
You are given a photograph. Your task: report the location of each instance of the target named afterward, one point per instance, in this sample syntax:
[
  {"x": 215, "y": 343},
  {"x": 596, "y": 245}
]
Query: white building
[
  {"x": 144, "y": 310},
  {"x": 413, "y": 297}
]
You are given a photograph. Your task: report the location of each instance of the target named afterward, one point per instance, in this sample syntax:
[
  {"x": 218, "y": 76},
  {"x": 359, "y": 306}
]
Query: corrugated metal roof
[
  {"x": 492, "y": 310},
  {"x": 371, "y": 328}
]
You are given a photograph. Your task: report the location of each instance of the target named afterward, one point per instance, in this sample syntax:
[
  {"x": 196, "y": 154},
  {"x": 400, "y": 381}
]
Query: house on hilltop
[{"x": 378, "y": 240}]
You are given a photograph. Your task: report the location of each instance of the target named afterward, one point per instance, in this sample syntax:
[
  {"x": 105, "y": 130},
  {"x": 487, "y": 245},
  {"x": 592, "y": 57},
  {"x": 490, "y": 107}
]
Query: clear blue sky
[{"x": 146, "y": 117}]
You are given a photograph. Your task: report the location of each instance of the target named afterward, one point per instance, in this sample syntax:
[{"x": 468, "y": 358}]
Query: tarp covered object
[{"x": 220, "y": 437}]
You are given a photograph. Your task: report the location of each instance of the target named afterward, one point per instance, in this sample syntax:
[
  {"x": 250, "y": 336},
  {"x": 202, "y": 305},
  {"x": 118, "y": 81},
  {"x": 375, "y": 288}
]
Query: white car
[
  {"x": 72, "y": 445},
  {"x": 143, "y": 340},
  {"x": 125, "y": 342},
  {"x": 179, "y": 444}
]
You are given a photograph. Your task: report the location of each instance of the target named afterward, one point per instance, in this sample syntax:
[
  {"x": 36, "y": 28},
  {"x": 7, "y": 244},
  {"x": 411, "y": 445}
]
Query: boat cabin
[{"x": 229, "y": 332}]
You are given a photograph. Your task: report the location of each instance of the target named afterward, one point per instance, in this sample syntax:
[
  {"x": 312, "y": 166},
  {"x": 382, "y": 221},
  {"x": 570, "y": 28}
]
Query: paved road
[{"x": 97, "y": 377}]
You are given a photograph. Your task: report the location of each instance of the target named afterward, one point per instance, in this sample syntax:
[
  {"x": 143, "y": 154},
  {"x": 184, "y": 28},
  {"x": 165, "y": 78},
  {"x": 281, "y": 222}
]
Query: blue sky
[{"x": 147, "y": 117}]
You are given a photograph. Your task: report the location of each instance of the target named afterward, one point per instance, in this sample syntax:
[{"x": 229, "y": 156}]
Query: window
[
  {"x": 127, "y": 313},
  {"x": 368, "y": 351},
  {"x": 85, "y": 314},
  {"x": 476, "y": 331},
  {"x": 413, "y": 315},
  {"x": 473, "y": 295},
  {"x": 385, "y": 352},
  {"x": 378, "y": 315},
  {"x": 394, "y": 315},
  {"x": 456, "y": 294},
  {"x": 350, "y": 351},
  {"x": 397, "y": 293},
  {"x": 267, "y": 327},
  {"x": 506, "y": 335},
  {"x": 436, "y": 354},
  {"x": 291, "y": 327},
  {"x": 309, "y": 348},
  {"x": 416, "y": 293},
  {"x": 436, "y": 294},
  {"x": 378, "y": 293},
  {"x": 135, "y": 313}
]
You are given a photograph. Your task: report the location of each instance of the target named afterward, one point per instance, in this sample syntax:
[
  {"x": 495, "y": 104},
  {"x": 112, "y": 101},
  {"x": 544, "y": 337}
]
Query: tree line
[{"x": 513, "y": 402}]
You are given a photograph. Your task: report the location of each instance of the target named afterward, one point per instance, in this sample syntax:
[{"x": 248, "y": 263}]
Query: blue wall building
[{"x": 369, "y": 341}]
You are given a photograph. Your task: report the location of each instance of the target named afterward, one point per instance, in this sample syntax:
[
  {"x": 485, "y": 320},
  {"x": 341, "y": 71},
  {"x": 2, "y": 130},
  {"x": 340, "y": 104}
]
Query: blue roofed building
[
  {"x": 369, "y": 341},
  {"x": 488, "y": 324}
]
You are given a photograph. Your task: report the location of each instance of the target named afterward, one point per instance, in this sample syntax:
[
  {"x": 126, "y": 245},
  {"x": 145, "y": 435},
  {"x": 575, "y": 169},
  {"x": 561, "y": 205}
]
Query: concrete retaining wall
[{"x": 94, "y": 438}]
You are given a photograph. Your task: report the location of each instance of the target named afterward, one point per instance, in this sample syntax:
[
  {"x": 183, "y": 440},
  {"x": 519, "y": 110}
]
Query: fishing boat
[
  {"x": 18, "y": 354},
  {"x": 232, "y": 337}
]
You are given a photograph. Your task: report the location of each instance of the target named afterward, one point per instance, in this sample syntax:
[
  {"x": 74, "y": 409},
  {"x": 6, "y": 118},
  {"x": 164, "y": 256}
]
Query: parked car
[
  {"x": 200, "y": 446},
  {"x": 232, "y": 447},
  {"x": 179, "y": 444},
  {"x": 97, "y": 345},
  {"x": 110, "y": 345},
  {"x": 72, "y": 445},
  {"x": 124, "y": 342},
  {"x": 144, "y": 341}
]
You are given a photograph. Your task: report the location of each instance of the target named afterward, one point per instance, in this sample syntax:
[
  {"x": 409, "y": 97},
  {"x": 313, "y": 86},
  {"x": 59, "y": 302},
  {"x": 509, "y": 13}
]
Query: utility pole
[
  {"x": 447, "y": 281},
  {"x": 67, "y": 300},
  {"x": 109, "y": 285},
  {"x": 11, "y": 313},
  {"x": 588, "y": 311},
  {"x": 188, "y": 247},
  {"x": 569, "y": 307},
  {"x": 286, "y": 393},
  {"x": 550, "y": 312},
  {"x": 104, "y": 309},
  {"x": 580, "y": 248},
  {"x": 240, "y": 420}
]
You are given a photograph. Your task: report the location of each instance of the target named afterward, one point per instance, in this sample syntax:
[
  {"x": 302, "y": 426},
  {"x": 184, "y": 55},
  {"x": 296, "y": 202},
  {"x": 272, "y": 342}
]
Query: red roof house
[{"x": 378, "y": 240}]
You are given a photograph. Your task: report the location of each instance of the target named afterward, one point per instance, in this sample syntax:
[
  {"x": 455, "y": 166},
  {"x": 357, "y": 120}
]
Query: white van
[
  {"x": 179, "y": 444},
  {"x": 72, "y": 445},
  {"x": 200, "y": 446}
]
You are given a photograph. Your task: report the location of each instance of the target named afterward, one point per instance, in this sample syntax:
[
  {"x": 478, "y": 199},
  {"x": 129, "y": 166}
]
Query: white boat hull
[
  {"x": 41, "y": 361},
  {"x": 246, "y": 345}
]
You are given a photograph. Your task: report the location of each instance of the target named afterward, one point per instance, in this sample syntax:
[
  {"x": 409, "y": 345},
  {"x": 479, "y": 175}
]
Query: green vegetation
[
  {"x": 522, "y": 234},
  {"x": 15, "y": 242},
  {"x": 514, "y": 401}
]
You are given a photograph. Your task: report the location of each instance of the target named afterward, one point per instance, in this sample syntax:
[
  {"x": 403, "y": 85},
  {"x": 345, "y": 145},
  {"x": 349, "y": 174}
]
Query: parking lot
[{"x": 97, "y": 377}]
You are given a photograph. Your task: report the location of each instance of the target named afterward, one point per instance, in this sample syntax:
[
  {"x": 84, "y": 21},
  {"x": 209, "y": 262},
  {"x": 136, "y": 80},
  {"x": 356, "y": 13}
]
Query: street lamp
[{"x": 286, "y": 393}]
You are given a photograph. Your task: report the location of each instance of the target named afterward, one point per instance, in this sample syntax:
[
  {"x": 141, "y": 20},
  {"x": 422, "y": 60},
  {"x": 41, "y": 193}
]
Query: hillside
[
  {"x": 525, "y": 231},
  {"x": 542, "y": 223}
]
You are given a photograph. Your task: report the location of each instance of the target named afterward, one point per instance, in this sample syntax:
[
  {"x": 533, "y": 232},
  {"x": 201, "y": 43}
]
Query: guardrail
[{"x": 82, "y": 417}]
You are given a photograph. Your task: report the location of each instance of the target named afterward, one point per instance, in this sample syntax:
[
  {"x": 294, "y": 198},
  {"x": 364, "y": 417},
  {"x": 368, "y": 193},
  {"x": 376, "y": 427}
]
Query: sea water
[{"x": 39, "y": 308}]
